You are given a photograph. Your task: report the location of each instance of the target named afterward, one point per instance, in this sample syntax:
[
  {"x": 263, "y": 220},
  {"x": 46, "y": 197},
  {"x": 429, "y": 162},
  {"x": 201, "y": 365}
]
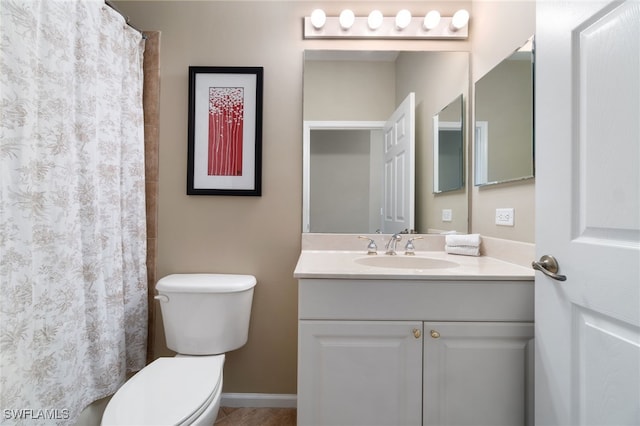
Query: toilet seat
[{"x": 169, "y": 391}]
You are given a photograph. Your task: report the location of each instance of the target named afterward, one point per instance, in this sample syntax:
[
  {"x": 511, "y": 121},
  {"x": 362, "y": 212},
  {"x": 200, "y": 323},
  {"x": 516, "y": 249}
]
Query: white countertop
[{"x": 343, "y": 265}]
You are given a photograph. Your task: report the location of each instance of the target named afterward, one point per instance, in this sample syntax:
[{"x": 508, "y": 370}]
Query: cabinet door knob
[
  {"x": 435, "y": 334},
  {"x": 417, "y": 333}
]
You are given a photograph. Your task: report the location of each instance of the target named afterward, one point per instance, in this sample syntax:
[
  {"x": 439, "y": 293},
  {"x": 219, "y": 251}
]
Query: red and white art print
[
  {"x": 225, "y": 125},
  {"x": 226, "y": 116}
]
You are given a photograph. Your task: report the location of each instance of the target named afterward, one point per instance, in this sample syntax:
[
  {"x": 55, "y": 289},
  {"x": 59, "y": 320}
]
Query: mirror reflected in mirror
[
  {"x": 448, "y": 148},
  {"x": 356, "y": 88},
  {"x": 504, "y": 142}
]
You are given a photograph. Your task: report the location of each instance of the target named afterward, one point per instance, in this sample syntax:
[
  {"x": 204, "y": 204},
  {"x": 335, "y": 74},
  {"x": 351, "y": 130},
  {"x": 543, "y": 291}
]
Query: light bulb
[
  {"x": 459, "y": 20},
  {"x": 346, "y": 19},
  {"x": 403, "y": 19},
  {"x": 318, "y": 18},
  {"x": 375, "y": 19},
  {"x": 431, "y": 20}
]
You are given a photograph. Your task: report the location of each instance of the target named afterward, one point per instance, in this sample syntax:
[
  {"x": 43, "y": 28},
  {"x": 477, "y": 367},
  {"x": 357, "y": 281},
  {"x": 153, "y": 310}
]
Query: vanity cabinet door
[
  {"x": 478, "y": 373},
  {"x": 359, "y": 373}
]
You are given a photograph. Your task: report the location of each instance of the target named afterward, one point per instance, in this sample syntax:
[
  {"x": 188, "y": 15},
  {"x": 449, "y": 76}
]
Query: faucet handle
[
  {"x": 409, "y": 248},
  {"x": 372, "y": 248}
]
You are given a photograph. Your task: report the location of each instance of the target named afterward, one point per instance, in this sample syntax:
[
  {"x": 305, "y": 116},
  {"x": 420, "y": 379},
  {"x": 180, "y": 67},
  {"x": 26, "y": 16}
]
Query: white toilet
[{"x": 204, "y": 316}]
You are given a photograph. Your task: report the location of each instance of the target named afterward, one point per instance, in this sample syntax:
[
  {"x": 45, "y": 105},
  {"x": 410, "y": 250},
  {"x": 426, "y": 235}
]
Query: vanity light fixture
[
  {"x": 460, "y": 20},
  {"x": 375, "y": 25},
  {"x": 347, "y": 18},
  {"x": 431, "y": 20},
  {"x": 375, "y": 19},
  {"x": 318, "y": 18},
  {"x": 403, "y": 19}
]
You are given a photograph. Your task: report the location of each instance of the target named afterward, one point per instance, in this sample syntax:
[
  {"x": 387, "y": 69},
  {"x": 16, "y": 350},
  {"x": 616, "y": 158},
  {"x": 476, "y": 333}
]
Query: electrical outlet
[
  {"x": 504, "y": 217},
  {"x": 447, "y": 215}
]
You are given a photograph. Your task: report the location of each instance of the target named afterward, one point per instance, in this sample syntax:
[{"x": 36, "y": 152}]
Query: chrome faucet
[{"x": 391, "y": 244}]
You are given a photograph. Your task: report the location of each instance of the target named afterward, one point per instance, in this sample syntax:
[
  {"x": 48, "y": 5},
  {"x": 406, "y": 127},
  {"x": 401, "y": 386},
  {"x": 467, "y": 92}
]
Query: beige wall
[
  {"x": 248, "y": 235},
  {"x": 261, "y": 235}
]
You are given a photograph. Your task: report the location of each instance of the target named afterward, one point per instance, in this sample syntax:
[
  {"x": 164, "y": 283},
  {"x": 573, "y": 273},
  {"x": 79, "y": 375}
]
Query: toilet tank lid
[{"x": 205, "y": 283}]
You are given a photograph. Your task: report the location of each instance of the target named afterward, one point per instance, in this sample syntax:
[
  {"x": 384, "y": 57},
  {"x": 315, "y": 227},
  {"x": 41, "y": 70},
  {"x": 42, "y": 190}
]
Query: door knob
[{"x": 548, "y": 265}]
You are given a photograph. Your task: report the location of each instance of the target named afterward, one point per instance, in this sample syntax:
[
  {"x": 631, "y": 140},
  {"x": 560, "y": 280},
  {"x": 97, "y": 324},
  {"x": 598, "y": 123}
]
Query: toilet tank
[{"x": 205, "y": 314}]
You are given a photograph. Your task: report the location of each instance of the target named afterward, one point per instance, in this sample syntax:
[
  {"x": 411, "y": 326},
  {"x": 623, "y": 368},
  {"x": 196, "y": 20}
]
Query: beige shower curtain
[{"x": 73, "y": 297}]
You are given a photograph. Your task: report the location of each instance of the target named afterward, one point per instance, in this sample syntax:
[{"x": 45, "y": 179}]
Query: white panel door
[
  {"x": 364, "y": 373},
  {"x": 399, "y": 168},
  {"x": 588, "y": 212},
  {"x": 478, "y": 374}
]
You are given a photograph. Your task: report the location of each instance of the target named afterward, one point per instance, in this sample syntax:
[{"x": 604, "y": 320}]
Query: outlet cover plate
[
  {"x": 447, "y": 215},
  {"x": 504, "y": 217}
]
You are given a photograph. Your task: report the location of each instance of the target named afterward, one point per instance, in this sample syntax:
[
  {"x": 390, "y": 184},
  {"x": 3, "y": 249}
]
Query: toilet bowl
[
  {"x": 182, "y": 390},
  {"x": 204, "y": 316}
]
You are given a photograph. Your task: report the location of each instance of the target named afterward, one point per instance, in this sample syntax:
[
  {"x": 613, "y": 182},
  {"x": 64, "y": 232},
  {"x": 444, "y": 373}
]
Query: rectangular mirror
[
  {"x": 448, "y": 148},
  {"x": 504, "y": 142},
  {"x": 353, "y": 88}
]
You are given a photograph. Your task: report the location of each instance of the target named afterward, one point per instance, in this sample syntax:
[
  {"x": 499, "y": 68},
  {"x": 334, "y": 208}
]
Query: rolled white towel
[
  {"x": 468, "y": 240},
  {"x": 463, "y": 250}
]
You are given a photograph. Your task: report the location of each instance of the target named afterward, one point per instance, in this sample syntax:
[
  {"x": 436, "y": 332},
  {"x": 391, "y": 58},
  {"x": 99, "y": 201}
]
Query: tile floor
[{"x": 228, "y": 416}]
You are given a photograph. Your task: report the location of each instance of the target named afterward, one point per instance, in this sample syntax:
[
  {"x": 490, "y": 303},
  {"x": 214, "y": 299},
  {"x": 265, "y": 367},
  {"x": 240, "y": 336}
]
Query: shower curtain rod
[{"x": 126, "y": 18}]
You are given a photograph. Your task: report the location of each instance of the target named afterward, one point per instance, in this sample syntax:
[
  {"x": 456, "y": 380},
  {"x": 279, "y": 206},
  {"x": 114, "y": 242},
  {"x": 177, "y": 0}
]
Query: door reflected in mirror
[
  {"x": 504, "y": 142},
  {"x": 448, "y": 148}
]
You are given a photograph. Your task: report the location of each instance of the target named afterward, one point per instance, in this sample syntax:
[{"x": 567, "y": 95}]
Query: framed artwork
[{"x": 225, "y": 131}]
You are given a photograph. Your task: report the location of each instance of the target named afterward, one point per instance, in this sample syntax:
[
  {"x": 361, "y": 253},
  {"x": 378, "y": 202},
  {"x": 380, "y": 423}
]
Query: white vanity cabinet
[
  {"x": 478, "y": 373},
  {"x": 360, "y": 373},
  {"x": 411, "y": 352}
]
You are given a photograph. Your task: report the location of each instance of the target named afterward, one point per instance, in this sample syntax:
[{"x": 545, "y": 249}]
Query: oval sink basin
[{"x": 405, "y": 262}]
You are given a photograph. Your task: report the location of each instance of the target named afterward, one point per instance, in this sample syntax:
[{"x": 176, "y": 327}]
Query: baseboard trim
[{"x": 267, "y": 400}]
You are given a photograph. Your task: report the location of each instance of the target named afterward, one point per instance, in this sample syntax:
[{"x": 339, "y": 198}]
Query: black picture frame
[{"x": 225, "y": 131}]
